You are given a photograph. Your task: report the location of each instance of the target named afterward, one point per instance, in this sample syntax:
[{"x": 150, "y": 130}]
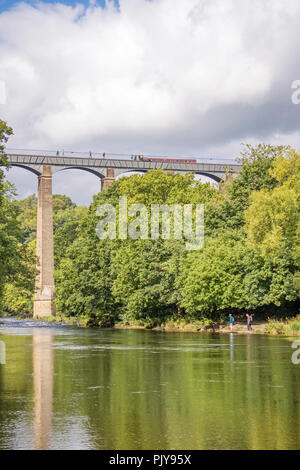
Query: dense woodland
[{"x": 250, "y": 260}]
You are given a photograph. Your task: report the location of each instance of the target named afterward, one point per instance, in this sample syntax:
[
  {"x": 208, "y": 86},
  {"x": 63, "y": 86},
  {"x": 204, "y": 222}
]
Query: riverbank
[
  {"x": 263, "y": 327},
  {"x": 281, "y": 327}
]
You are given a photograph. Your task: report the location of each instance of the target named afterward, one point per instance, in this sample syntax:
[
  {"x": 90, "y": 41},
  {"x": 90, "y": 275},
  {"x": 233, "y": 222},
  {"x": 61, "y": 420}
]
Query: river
[{"x": 63, "y": 387}]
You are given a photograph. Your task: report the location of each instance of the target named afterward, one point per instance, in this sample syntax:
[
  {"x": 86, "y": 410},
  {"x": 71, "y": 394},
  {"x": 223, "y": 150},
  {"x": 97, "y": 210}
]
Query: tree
[
  {"x": 273, "y": 221},
  {"x": 83, "y": 283},
  {"x": 227, "y": 274},
  {"x": 250, "y": 258},
  {"x": 5, "y": 133},
  {"x": 27, "y": 216},
  {"x": 144, "y": 274},
  {"x": 19, "y": 288},
  {"x": 273, "y": 216},
  {"x": 9, "y": 226},
  {"x": 66, "y": 221},
  {"x": 135, "y": 279}
]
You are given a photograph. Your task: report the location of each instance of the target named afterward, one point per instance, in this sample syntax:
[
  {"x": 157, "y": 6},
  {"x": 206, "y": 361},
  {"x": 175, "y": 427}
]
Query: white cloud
[
  {"x": 2, "y": 92},
  {"x": 164, "y": 76}
]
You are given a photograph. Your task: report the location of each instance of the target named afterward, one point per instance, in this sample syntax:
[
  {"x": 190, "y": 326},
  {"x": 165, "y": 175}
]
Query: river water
[{"x": 72, "y": 388}]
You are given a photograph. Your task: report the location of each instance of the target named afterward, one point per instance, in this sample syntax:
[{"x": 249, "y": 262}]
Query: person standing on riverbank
[
  {"x": 249, "y": 321},
  {"x": 231, "y": 322}
]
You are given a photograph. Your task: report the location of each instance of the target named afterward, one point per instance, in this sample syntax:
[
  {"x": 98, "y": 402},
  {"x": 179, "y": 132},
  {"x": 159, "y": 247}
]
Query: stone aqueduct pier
[{"x": 106, "y": 169}]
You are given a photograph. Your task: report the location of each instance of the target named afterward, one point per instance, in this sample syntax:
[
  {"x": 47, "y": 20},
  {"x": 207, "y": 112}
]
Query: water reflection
[
  {"x": 231, "y": 344},
  {"x": 43, "y": 363},
  {"x": 66, "y": 388}
]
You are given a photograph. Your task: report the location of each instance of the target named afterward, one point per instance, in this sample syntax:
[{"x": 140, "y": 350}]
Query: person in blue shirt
[{"x": 231, "y": 321}]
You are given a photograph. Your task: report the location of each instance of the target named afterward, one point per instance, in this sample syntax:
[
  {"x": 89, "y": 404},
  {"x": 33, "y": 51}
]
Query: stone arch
[
  {"x": 119, "y": 173},
  {"x": 89, "y": 170},
  {"x": 215, "y": 178},
  {"x": 28, "y": 168}
]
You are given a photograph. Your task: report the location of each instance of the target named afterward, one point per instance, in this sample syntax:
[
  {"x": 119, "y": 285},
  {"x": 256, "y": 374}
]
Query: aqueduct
[{"x": 106, "y": 169}]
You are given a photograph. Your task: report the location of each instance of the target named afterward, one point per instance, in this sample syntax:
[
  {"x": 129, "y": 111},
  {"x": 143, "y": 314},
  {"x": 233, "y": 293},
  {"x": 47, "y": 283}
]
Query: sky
[
  {"x": 164, "y": 77},
  {"x": 8, "y": 4}
]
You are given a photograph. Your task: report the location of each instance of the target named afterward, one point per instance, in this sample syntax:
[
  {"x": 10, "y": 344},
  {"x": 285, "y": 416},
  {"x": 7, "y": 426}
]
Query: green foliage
[
  {"x": 273, "y": 216},
  {"x": 19, "y": 287},
  {"x": 9, "y": 234},
  {"x": 9, "y": 226},
  {"x": 150, "y": 281},
  {"x": 144, "y": 278},
  {"x": 18, "y": 292},
  {"x": 5, "y": 133},
  {"x": 27, "y": 213},
  {"x": 256, "y": 175},
  {"x": 226, "y": 210},
  {"x": 227, "y": 274},
  {"x": 273, "y": 221},
  {"x": 66, "y": 222},
  {"x": 138, "y": 280},
  {"x": 288, "y": 327},
  {"x": 18, "y": 283},
  {"x": 250, "y": 260},
  {"x": 83, "y": 283}
]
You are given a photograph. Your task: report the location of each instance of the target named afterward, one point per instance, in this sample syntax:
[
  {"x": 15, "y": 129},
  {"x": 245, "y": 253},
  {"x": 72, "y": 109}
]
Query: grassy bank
[
  {"x": 281, "y": 327},
  {"x": 288, "y": 327},
  {"x": 270, "y": 326}
]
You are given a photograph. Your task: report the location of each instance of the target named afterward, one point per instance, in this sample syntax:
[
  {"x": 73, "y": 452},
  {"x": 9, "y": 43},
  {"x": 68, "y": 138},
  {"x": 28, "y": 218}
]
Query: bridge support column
[
  {"x": 228, "y": 176},
  {"x": 44, "y": 304},
  {"x": 108, "y": 180}
]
